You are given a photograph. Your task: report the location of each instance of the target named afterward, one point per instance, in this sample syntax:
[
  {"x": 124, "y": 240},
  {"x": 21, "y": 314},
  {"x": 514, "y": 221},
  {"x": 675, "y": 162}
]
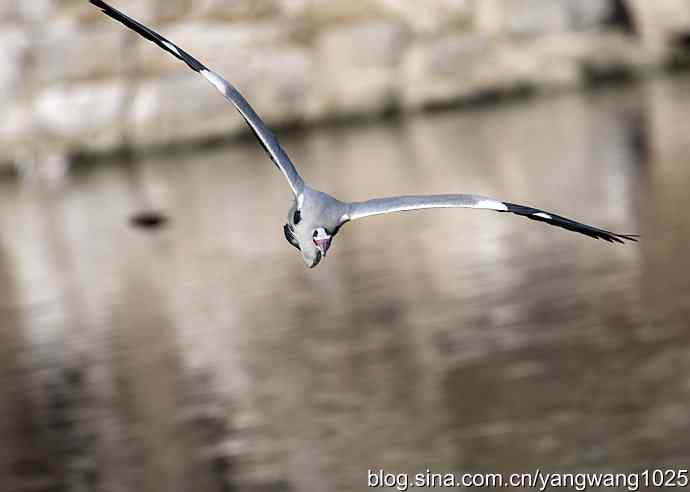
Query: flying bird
[{"x": 316, "y": 217}]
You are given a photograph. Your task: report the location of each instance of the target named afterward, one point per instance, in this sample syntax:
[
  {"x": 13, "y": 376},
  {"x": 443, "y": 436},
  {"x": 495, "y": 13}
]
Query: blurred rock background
[{"x": 74, "y": 81}]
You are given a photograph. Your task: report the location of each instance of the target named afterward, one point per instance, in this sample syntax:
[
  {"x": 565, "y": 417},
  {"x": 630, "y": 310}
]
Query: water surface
[{"x": 205, "y": 357}]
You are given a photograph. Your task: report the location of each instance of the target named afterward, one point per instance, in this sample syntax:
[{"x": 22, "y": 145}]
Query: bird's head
[
  {"x": 312, "y": 242},
  {"x": 321, "y": 239},
  {"x": 314, "y": 245}
]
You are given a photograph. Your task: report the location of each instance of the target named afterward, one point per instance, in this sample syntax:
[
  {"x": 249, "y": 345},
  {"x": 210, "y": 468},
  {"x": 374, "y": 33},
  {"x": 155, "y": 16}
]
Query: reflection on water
[{"x": 206, "y": 357}]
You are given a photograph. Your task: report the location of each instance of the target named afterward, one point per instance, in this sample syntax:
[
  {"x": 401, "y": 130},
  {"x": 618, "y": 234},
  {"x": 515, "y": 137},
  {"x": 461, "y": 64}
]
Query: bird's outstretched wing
[
  {"x": 358, "y": 210},
  {"x": 266, "y": 138}
]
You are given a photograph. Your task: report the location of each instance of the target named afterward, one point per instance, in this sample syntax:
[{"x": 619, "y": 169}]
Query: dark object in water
[{"x": 149, "y": 219}]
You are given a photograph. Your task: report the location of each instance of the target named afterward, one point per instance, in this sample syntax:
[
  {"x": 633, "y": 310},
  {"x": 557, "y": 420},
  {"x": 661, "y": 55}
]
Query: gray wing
[
  {"x": 266, "y": 138},
  {"x": 377, "y": 206}
]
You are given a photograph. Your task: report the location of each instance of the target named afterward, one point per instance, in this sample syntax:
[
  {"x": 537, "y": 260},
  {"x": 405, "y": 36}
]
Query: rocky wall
[{"x": 75, "y": 81}]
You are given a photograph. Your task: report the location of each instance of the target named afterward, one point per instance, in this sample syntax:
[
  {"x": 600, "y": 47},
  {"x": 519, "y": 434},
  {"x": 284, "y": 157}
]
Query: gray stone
[
  {"x": 672, "y": 15},
  {"x": 15, "y": 122},
  {"x": 143, "y": 10},
  {"x": 661, "y": 20},
  {"x": 588, "y": 14},
  {"x": 360, "y": 65},
  {"x": 27, "y": 12},
  {"x": 286, "y": 85},
  {"x": 63, "y": 52},
  {"x": 16, "y": 128},
  {"x": 318, "y": 15},
  {"x": 297, "y": 59},
  {"x": 14, "y": 60},
  {"x": 445, "y": 68},
  {"x": 432, "y": 15},
  {"x": 214, "y": 43},
  {"x": 609, "y": 52},
  {"x": 235, "y": 9},
  {"x": 177, "y": 108},
  {"x": 523, "y": 18},
  {"x": 85, "y": 116},
  {"x": 546, "y": 63},
  {"x": 186, "y": 108}
]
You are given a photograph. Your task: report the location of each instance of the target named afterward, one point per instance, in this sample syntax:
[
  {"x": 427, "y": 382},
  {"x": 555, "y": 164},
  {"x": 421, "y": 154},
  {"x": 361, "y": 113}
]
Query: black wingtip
[
  {"x": 150, "y": 34},
  {"x": 571, "y": 225},
  {"x": 102, "y": 5}
]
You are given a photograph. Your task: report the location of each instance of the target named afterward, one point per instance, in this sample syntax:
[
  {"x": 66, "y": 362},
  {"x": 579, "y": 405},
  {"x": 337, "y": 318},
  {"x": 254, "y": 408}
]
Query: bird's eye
[{"x": 297, "y": 217}]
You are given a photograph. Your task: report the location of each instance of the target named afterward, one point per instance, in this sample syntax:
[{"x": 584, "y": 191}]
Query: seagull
[{"x": 316, "y": 217}]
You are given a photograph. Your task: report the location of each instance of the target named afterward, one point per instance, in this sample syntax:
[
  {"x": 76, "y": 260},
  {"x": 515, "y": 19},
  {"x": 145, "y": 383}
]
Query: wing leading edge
[{"x": 379, "y": 206}]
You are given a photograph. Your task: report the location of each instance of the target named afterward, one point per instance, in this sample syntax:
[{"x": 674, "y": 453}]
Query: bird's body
[
  {"x": 316, "y": 217},
  {"x": 313, "y": 210}
]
